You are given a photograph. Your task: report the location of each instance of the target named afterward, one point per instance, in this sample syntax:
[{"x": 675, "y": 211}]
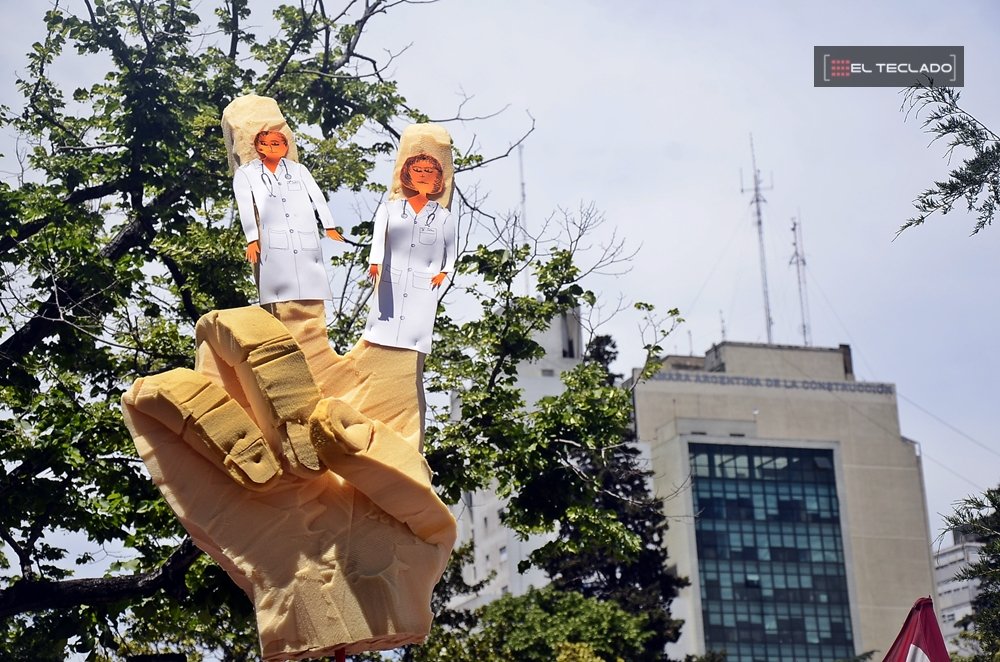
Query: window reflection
[{"x": 773, "y": 582}]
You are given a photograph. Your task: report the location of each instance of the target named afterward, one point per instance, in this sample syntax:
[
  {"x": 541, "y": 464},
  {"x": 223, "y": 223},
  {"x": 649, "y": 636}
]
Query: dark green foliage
[
  {"x": 977, "y": 179},
  {"x": 537, "y": 626},
  {"x": 979, "y": 516},
  {"x": 115, "y": 238}
]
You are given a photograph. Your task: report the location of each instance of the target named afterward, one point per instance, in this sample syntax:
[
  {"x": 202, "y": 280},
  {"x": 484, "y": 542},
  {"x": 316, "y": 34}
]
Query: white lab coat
[
  {"x": 411, "y": 249},
  {"x": 286, "y": 201}
]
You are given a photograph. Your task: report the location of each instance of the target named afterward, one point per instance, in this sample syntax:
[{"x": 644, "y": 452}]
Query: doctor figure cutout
[
  {"x": 414, "y": 242},
  {"x": 278, "y": 202}
]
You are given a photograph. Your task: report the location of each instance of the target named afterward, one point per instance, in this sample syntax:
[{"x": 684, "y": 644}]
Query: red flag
[{"x": 920, "y": 639}]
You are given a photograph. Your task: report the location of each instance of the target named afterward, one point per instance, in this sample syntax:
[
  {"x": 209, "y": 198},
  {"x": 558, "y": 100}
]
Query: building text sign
[{"x": 775, "y": 382}]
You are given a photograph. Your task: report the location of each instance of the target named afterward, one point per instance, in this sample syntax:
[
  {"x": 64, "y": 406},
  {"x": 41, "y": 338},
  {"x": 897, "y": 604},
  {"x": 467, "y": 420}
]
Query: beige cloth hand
[{"x": 300, "y": 473}]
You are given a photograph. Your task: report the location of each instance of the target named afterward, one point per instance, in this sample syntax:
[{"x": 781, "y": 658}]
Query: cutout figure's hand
[
  {"x": 437, "y": 280},
  {"x": 333, "y": 234},
  {"x": 253, "y": 252},
  {"x": 373, "y": 272},
  {"x": 299, "y": 471}
]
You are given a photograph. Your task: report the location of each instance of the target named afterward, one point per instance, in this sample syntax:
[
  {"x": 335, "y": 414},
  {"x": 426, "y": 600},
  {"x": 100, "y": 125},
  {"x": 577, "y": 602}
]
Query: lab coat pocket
[
  {"x": 395, "y": 275},
  {"x": 428, "y": 236},
  {"x": 295, "y": 185},
  {"x": 277, "y": 240},
  {"x": 422, "y": 281},
  {"x": 309, "y": 240}
]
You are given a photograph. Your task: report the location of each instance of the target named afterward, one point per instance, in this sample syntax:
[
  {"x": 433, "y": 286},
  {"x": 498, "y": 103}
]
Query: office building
[{"x": 796, "y": 506}]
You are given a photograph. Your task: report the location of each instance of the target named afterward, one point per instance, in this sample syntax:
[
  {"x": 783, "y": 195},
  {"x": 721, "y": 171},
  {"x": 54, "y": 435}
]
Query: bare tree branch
[
  {"x": 292, "y": 48},
  {"x": 30, "y": 595},
  {"x": 504, "y": 155},
  {"x": 234, "y": 26},
  {"x": 88, "y": 148}
]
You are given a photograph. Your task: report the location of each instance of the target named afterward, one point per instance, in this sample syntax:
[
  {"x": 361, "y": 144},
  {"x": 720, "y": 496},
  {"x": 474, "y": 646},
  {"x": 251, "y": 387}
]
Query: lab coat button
[
  {"x": 411, "y": 245},
  {"x": 405, "y": 295},
  {"x": 295, "y": 251},
  {"x": 287, "y": 215},
  {"x": 291, "y": 229}
]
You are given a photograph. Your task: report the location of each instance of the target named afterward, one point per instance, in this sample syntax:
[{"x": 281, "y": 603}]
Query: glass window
[
  {"x": 699, "y": 465},
  {"x": 768, "y": 538}
]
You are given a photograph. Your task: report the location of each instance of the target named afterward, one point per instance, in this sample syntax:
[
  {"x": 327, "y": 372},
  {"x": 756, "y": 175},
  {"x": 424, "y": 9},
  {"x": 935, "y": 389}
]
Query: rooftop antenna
[
  {"x": 799, "y": 260},
  {"x": 757, "y": 201},
  {"x": 523, "y": 221},
  {"x": 722, "y": 321},
  {"x": 690, "y": 344}
]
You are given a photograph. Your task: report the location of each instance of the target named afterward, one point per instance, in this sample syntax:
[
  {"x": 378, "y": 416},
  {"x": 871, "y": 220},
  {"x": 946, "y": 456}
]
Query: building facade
[
  {"x": 955, "y": 595},
  {"x": 796, "y": 507}
]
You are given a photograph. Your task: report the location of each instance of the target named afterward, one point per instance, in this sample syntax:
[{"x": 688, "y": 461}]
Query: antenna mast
[
  {"x": 523, "y": 221},
  {"x": 757, "y": 201},
  {"x": 799, "y": 260}
]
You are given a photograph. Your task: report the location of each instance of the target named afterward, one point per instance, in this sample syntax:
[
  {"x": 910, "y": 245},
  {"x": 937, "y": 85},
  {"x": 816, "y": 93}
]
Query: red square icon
[{"x": 840, "y": 68}]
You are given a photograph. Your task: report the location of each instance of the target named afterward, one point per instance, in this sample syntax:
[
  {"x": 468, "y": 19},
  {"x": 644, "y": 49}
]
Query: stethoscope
[
  {"x": 430, "y": 217},
  {"x": 265, "y": 176}
]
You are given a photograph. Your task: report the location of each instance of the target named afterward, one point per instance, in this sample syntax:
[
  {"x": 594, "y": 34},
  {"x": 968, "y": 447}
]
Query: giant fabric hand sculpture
[{"x": 300, "y": 473}]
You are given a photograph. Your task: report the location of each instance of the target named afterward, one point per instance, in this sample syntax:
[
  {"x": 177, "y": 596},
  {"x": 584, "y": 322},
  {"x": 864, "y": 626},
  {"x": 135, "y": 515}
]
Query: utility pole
[
  {"x": 799, "y": 260},
  {"x": 757, "y": 201}
]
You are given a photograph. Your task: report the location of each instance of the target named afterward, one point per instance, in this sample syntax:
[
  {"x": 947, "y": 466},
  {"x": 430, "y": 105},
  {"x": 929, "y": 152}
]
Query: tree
[
  {"x": 529, "y": 452},
  {"x": 117, "y": 235},
  {"x": 979, "y": 515},
  {"x": 977, "y": 179},
  {"x": 637, "y": 578},
  {"x": 545, "y": 624}
]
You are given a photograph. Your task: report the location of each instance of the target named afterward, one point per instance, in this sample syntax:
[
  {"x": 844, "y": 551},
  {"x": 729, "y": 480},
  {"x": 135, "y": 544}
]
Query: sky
[{"x": 646, "y": 109}]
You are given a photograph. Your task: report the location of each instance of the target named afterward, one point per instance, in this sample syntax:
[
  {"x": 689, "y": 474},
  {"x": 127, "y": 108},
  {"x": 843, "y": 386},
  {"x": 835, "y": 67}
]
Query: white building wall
[
  {"x": 955, "y": 596},
  {"x": 497, "y": 549}
]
